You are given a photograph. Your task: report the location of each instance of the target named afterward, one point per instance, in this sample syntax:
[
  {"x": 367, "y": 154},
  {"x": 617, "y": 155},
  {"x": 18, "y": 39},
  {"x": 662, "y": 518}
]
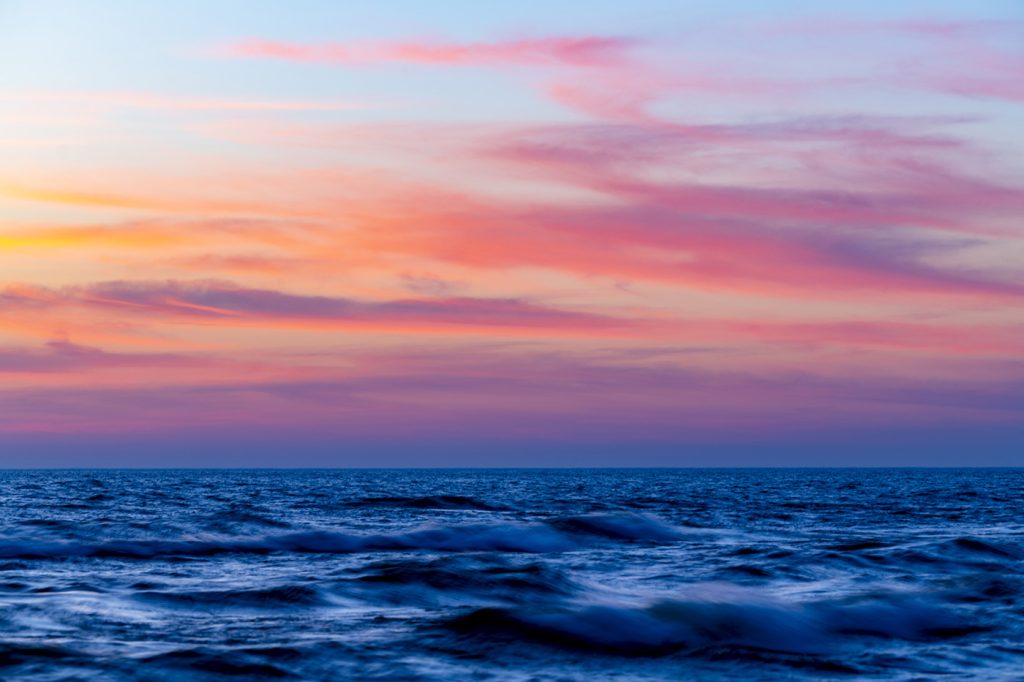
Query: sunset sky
[{"x": 473, "y": 233}]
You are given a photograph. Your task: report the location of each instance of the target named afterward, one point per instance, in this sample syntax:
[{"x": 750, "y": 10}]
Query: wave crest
[
  {"x": 554, "y": 535},
  {"x": 735, "y": 618}
]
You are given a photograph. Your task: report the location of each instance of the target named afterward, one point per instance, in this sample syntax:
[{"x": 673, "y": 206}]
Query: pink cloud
[
  {"x": 100, "y": 100},
  {"x": 585, "y": 51},
  {"x": 227, "y": 303},
  {"x": 886, "y": 232},
  {"x": 64, "y": 356},
  {"x": 831, "y": 221},
  {"x": 652, "y": 241},
  {"x": 968, "y": 57}
]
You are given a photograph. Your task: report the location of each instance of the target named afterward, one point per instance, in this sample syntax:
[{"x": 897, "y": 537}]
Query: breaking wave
[
  {"x": 556, "y": 535},
  {"x": 724, "y": 617}
]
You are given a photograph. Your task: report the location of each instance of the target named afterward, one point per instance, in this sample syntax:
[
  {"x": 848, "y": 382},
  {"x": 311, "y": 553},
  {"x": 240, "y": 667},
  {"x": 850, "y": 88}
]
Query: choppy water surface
[{"x": 512, "y": 575}]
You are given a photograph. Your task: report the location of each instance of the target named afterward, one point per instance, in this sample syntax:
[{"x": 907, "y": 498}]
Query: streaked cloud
[
  {"x": 226, "y": 302},
  {"x": 585, "y": 51},
  {"x": 769, "y": 228}
]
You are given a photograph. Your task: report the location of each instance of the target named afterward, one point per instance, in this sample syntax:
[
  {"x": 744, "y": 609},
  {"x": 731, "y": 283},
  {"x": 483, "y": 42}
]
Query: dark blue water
[{"x": 512, "y": 575}]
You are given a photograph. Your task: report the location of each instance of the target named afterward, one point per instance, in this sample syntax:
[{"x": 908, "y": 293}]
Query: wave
[
  {"x": 238, "y": 665},
  {"x": 458, "y": 578},
  {"x": 618, "y": 527},
  {"x": 16, "y": 654},
  {"x": 733, "y": 618},
  {"x": 555, "y": 535},
  {"x": 963, "y": 552},
  {"x": 281, "y": 596},
  {"x": 453, "y": 502},
  {"x": 859, "y": 546},
  {"x": 988, "y": 548},
  {"x": 242, "y": 517}
]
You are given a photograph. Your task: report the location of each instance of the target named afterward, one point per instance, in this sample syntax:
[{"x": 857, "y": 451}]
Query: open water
[{"x": 455, "y": 575}]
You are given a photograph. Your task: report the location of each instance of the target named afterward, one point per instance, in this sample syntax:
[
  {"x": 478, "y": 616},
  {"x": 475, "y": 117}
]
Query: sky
[{"x": 571, "y": 233}]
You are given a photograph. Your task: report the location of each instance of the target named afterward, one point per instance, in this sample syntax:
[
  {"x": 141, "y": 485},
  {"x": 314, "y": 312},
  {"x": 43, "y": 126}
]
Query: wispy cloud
[
  {"x": 582, "y": 51},
  {"x": 548, "y": 395},
  {"x": 64, "y": 356},
  {"x": 99, "y": 101},
  {"x": 759, "y": 230},
  {"x": 218, "y": 301}
]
